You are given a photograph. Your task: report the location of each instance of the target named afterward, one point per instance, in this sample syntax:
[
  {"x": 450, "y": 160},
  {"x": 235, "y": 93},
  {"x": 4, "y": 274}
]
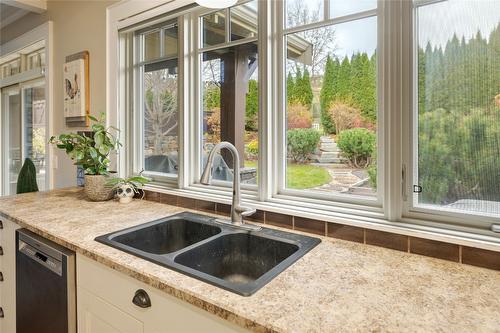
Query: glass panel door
[
  {"x": 11, "y": 120},
  {"x": 34, "y": 130},
  {"x": 23, "y": 133}
]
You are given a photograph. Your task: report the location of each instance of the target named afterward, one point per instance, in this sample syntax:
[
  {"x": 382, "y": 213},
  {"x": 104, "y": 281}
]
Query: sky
[{"x": 437, "y": 22}]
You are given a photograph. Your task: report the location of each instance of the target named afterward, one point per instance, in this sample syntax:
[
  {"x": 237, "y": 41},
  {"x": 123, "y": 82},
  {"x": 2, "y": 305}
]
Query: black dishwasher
[{"x": 45, "y": 285}]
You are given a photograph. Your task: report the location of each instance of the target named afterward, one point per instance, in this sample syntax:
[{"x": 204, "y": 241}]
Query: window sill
[{"x": 371, "y": 220}]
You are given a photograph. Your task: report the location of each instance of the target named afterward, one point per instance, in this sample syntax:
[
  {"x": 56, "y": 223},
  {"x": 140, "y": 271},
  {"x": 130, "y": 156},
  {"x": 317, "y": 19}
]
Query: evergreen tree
[
  {"x": 306, "y": 93},
  {"x": 290, "y": 88},
  {"x": 297, "y": 86},
  {"x": 459, "y": 122},
  {"x": 344, "y": 81},
  {"x": 493, "y": 55},
  {"x": 252, "y": 106},
  {"x": 363, "y": 86},
  {"x": 328, "y": 93}
]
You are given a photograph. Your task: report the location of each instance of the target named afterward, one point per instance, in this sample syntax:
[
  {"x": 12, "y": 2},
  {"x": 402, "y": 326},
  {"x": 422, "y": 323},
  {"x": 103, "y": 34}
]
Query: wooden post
[{"x": 234, "y": 87}]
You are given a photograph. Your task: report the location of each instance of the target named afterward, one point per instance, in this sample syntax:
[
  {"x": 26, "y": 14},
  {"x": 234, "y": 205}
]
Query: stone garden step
[
  {"x": 334, "y": 160},
  {"x": 328, "y": 147},
  {"x": 330, "y": 159},
  {"x": 330, "y": 154}
]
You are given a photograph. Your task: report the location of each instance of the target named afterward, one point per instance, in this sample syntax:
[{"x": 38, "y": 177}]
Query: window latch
[
  {"x": 417, "y": 189},
  {"x": 495, "y": 228}
]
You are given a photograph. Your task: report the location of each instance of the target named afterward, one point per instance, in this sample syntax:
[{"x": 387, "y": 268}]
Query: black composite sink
[
  {"x": 234, "y": 259},
  {"x": 167, "y": 236}
]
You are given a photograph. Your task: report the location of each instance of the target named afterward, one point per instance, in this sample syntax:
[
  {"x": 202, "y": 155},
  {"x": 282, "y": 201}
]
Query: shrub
[
  {"x": 372, "y": 170},
  {"x": 298, "y": 116},
  {"x": 357, "y": 146},
  {"x": 344, "y": 116},
  {"x": 301, "y": 142},
  {"x": 213, "y": 126},
  {"x": 253, "y": 149}
]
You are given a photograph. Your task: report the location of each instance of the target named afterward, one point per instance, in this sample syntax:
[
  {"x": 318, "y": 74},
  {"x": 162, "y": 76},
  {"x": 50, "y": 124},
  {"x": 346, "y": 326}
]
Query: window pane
[
  {"x": 230, "y": 108},
  {"x": 11, "y": 116},
  {"x": 300, "y": 12},
  {"x": 34, "y": 131},
  {"x": 170, "y": 41},
  {"x": 152, "y": 46},
  {"x": 244, "y": 20},
  {"x": 332, "y": 109},
  {"x": 458, "y": 112},
  {"x": 213, "y": 28},
  {"x": 347, "y": 7},
  {"x": 161, "y": 117}
]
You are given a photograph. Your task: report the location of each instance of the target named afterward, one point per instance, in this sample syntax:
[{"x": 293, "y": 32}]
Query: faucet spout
[{"x": 237, "y": 211}]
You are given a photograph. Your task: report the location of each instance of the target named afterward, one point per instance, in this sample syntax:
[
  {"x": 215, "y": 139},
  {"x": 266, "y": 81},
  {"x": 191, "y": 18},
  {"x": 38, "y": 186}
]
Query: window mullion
[
  {"x": 395, "y": 63},
  {"x": 183, "y": 100},
  {"x": 326, "y": 9},
  {"x": 279, "y": 167},
  {"x": 266, "y": 89}
]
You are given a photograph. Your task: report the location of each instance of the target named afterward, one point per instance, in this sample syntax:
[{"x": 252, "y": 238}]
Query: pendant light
[{"x": 216, "y": 3}]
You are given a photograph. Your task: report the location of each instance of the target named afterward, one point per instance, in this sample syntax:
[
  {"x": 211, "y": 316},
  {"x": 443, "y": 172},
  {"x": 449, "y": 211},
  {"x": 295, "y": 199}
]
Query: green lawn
[{"x": 302, "y": 176}]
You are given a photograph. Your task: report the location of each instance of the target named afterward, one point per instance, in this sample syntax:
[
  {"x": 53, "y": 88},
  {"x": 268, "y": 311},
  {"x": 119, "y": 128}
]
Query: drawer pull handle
[
  {"x": 141, "y": 299},
  {"x": 1, "y": 312},
  {"x": 1, "y": 276},
  {"x": 1, "y": 224},
  {"x": 1, "y": 251}
]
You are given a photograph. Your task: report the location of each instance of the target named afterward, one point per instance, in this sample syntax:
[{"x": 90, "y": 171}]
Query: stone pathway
[
  {"x": 328, "y": 151},
  {"x": 345, "y": 180}
]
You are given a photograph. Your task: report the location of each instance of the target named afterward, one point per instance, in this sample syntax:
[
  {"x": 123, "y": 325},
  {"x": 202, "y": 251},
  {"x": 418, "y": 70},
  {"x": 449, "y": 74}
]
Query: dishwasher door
[{"x": 45, "y": 285}]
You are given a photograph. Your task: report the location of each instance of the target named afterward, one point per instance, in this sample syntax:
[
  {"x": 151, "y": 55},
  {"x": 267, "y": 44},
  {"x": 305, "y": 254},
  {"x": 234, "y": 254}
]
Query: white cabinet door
[
  {"x": 166, "y": 313},
  {"x": 98, "y": 316},
  {"x": 8, "y": 269}
]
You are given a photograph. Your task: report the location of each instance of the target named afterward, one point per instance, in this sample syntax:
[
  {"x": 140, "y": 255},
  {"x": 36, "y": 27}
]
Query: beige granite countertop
[{"x": 339, "y": 286}]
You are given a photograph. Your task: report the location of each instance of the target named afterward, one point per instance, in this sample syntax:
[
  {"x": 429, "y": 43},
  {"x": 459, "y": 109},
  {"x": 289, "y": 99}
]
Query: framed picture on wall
[{"x": 76, "y": 89}]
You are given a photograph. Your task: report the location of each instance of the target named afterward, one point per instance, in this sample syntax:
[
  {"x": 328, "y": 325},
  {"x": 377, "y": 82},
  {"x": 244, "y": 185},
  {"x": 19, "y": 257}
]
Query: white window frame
[
  {"x": 281, "y": 192},
  {"x": 250, "y": 190},
  {"x": 138, "y": 123},
  {"x": 412, "y": 211},
  {"x": 390, "y": 212}
]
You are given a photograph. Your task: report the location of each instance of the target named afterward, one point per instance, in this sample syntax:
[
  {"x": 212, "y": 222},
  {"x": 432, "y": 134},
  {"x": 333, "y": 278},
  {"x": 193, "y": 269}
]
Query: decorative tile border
[{"x": 430, "y": 248}]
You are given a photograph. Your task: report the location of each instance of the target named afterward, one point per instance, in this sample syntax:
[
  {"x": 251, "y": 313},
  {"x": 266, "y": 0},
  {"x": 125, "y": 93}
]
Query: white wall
[{"x": 77, "y": 26}]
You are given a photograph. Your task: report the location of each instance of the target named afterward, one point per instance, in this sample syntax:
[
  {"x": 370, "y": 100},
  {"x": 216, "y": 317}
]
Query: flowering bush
[{"x": 299, "y": 116}]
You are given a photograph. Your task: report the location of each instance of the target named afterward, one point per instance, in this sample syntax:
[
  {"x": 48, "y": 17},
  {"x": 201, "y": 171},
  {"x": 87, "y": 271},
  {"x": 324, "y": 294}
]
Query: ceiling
[{"x": 9, "y": 14}]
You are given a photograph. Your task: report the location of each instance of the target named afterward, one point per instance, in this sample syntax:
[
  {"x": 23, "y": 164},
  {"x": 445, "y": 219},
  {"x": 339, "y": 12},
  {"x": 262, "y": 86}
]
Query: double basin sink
[{"x": 235, "y": 259}]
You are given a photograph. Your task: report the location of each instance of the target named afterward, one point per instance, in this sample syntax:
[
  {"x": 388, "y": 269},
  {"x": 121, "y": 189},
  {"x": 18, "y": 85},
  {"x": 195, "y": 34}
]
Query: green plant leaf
[{"x": 92, "y": 118}]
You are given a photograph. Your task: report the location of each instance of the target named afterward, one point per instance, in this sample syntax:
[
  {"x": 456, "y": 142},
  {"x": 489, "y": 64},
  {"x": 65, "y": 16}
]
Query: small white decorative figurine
[
  {"x": 126, "y": 189},
  {"x": 125, "y": 192}
]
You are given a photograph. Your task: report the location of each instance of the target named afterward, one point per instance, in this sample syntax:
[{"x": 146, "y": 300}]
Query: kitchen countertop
[{"x": 338, "y": 286}]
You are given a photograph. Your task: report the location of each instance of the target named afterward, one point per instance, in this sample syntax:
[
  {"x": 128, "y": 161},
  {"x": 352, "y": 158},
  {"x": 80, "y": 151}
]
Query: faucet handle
[{"x": 248, "y": 211}]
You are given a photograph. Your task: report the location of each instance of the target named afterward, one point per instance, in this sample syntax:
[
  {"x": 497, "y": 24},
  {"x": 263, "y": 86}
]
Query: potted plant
[
  {"x": 92, "y": 154},
  {"x": 127, "y": 188}
]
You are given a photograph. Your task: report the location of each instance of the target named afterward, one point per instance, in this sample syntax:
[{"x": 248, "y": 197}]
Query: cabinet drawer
[
  {"x": 166, "y": 313},
  {"x": 98, "y": 316}
]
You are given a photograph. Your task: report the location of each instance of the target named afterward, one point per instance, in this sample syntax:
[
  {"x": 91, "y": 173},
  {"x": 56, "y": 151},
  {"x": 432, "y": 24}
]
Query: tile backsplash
[{"x": 441, "y": 250}]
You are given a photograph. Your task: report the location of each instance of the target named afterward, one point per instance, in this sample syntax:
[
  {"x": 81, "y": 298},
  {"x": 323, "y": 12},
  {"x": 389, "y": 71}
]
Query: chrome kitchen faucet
[{"x": 237, "y": 211}]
